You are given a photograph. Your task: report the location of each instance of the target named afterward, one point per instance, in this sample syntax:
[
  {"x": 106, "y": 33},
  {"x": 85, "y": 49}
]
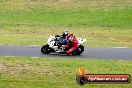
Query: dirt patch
[
  {"x": 2, "y": 67},
  {"x": 28, "y": 69}
]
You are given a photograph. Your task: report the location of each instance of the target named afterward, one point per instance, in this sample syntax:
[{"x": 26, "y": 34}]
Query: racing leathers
[{"x": 72, "y": 43}]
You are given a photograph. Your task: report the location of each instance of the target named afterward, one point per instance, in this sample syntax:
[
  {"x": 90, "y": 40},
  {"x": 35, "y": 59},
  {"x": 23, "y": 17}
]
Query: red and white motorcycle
[{"x": 54, "y": 45}]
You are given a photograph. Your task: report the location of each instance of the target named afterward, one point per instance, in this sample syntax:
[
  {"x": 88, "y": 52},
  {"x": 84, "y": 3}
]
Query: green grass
[
  {"x": 31, "y": 22},
  {"x": 26, "y": 72},
  {"x": 95, "y": 36},
  {"x": 106, "y": 23},
  {"x": 113, "y": 18}
]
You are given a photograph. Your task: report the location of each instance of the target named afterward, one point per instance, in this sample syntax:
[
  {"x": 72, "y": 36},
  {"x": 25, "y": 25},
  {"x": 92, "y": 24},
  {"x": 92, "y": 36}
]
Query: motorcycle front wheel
[{"x": 79, "y": 50}]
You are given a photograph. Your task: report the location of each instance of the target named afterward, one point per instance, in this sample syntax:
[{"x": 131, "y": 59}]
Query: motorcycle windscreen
[{"x": 81, "y": 40}]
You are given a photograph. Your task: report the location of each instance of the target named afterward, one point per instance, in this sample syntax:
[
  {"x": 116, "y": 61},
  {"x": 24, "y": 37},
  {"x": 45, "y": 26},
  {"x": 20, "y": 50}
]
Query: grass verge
[
  {"x": 26, "y": 72},
  {"x": 96, "y": 37}
]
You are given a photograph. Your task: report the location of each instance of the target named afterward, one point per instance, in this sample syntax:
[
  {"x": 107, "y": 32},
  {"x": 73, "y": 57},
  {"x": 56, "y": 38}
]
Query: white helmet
[{"x": 65, "y": 33}]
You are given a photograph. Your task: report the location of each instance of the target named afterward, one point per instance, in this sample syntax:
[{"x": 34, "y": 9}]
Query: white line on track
[
  {"x": 35, "y": 57},
  {"x": 9, "y": 56},
  {"x": 18, "y": 45},
  {"x": 15, "y": 56},
  {"x": 1, "y": 44},
  {"x": 34, "y": 45},
  {"x": 120, "y": 47}
]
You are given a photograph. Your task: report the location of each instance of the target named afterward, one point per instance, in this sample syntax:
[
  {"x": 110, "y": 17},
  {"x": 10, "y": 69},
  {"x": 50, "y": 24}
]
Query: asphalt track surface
[{"x": 98, "y": 53}]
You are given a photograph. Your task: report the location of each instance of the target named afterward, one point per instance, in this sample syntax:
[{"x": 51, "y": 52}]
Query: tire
[
  {"x": 81, "y": 80},
  {"x": 79, "y": 50},
  {"x": 45, "y": 49}
]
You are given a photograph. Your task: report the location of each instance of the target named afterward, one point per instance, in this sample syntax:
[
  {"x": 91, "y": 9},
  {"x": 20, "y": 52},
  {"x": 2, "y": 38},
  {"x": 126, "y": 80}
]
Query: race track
[{"x": 99, "y": 53}]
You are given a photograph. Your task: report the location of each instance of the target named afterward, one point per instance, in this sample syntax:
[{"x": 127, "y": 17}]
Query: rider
[{"x": 70, "y": 40}]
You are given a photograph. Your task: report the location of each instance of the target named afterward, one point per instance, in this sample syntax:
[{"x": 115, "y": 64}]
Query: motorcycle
[{"x": 55, "y": 45}]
